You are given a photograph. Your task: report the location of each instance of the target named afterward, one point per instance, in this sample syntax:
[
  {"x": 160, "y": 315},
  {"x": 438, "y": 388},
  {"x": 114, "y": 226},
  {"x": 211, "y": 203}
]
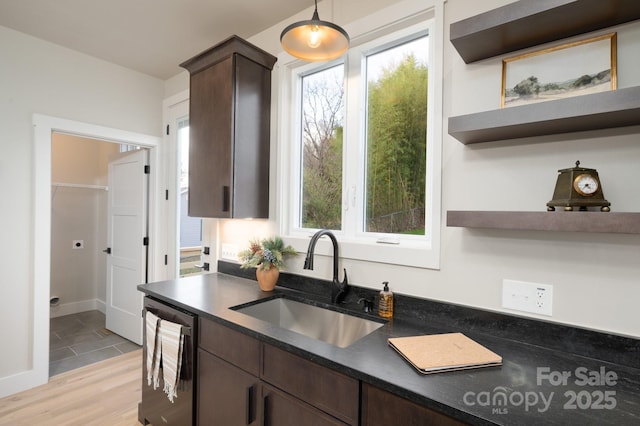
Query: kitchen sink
[{"x": 324, "y": 324}]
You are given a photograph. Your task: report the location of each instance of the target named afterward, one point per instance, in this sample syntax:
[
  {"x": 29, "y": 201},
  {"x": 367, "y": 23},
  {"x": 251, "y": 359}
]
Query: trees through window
[{"x": 397, "y": 139}]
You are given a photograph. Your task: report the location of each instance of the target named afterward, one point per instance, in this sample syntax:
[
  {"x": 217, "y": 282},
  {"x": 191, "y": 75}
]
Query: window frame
[{"x": 355, "y": 242}]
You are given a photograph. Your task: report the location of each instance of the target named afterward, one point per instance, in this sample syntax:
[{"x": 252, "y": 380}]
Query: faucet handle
[{"x": 368, "y": 304}]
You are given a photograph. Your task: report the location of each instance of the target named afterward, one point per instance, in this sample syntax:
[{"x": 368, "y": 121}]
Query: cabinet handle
[
  {"x": 249, "y": 402},
  {"x": 265, "y": 403},
  {"x": 225, "y": 198}
]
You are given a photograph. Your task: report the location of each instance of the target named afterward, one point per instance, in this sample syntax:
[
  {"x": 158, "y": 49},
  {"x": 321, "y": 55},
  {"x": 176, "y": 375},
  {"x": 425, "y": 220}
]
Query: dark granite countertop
[{"x": 576, "y": 377}]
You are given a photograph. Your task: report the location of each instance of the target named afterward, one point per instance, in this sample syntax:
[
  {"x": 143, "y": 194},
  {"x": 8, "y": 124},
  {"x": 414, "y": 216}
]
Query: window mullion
[{"x": 353, "y": 164}]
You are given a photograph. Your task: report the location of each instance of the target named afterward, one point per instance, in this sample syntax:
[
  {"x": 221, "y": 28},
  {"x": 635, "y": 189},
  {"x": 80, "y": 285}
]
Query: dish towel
[
  {"x": 153, "y": 350},
  {"x": 172, "y": 342}
]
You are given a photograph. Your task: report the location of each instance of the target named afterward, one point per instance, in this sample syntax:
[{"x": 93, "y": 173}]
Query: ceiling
[{"x": 149, "y": 36}]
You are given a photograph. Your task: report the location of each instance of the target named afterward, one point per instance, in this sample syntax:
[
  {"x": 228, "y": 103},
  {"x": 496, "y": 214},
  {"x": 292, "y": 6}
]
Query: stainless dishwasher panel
[{"x": 155, "y": 408}]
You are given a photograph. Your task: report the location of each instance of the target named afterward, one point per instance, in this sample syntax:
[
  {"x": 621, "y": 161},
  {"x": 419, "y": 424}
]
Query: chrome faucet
[{"x": 338, "y": 289}]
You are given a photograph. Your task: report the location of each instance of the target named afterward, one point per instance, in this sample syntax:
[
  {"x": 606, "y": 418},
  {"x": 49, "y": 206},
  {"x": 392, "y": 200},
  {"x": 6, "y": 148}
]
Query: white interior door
[{"x": 127, "y": 229}]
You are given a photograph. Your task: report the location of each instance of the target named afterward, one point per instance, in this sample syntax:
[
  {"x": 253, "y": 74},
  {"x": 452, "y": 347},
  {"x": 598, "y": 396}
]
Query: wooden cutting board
[{"x": 444, "y": 352}]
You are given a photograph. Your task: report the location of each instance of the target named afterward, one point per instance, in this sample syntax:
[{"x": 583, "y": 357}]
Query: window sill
[{"x": 416, "y": 254}]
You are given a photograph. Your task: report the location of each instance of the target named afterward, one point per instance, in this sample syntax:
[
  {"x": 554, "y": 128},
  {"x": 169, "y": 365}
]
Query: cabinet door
[
  {"x": 281, "y": 409},
  {"x": 381, "y": 408},
  {"x": 250, "y": 195},
  {"x": 210, "y": 133},
  {"x": 226, "y": 395}
]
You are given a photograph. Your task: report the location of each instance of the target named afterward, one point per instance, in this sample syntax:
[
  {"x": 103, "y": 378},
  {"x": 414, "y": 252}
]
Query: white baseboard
[
  {"x": 23, "y": 381},
  {"x": 101, "y": 305},
  {"x": 76, "y": 307}
]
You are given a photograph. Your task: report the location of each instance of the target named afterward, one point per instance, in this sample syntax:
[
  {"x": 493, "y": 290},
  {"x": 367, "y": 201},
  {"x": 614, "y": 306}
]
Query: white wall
[
  {"x": 40, "y": 77},
  {"x": 595, "y": 276}
]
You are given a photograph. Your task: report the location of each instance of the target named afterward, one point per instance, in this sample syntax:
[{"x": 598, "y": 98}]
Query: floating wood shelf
[
  {"x": 528, "y": 23},
  {"x": 576, "y": 221},
  {"x": 616, "y": 108}
]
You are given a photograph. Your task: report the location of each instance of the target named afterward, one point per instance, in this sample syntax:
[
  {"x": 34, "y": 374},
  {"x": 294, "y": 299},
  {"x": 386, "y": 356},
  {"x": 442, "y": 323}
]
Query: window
[
  {"x": 322, "y": 105},
  {"x": 396, "y": 138},
  {"x": 365, "y": 150}
]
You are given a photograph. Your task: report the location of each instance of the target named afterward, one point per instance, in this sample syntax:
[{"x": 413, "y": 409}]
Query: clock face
[{"x": 585, "y": 184}]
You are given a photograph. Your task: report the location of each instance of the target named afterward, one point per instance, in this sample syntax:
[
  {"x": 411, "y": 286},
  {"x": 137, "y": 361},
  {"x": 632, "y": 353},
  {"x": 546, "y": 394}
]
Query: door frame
[
  {"x": 44, "y": 126},
  {"x": 174, "y": 107}
]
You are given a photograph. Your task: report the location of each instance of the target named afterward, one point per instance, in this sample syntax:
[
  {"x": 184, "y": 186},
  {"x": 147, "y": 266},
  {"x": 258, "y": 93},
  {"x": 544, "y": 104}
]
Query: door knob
[{"x": 107, "y": 250}]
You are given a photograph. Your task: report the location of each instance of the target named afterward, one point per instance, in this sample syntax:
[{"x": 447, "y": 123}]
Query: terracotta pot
[{"x": 268, "y": 278}]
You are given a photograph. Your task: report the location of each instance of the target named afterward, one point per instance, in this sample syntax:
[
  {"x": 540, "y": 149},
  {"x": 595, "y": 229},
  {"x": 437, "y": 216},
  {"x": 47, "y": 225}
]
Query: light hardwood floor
[{"x": 104, "y": 393}]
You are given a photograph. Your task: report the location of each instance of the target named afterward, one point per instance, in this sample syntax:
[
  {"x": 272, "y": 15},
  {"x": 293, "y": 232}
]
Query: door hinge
[
  {"x": 147, "y": 169},
  {"x": 145, "y": 241},
  {"x": 166, "y": 194},
  {"x": 167, "y": 130},
  {"x": 166, "y": 259}
]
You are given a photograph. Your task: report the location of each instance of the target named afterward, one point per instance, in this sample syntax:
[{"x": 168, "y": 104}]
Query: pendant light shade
[{"x": 314, "y": 40}]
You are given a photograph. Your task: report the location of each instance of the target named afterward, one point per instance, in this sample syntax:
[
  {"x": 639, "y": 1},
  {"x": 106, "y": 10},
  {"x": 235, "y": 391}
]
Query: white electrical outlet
[
  {"x": 527, "y": 297},
  {"x": 77, "y": 244},
  {"x": 229, "y": 252}
]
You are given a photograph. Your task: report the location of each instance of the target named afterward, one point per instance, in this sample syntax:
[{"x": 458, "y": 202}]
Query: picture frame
[{"x": 571, "y": 69}]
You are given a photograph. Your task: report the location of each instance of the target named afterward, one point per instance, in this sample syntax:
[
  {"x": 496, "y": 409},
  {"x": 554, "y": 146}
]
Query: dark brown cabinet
[
  {"x": 229, "y": 130},
  {"x": 332, "y": 392},
  {"x": 381, "y": 408},
  {"x": 228, "y": 386},
  {"x": 242, "y": 381},
  {"x": 281, "y": 409},
  {"x": 227, "y": 394}
]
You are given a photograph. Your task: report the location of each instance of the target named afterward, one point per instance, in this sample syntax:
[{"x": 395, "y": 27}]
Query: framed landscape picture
[{"x": 572, "y": 69}]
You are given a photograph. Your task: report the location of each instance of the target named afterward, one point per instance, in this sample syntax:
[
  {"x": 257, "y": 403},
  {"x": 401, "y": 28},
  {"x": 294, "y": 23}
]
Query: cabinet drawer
[
  {"x": 280, "y": 409},
  {"x": 234, "y": 347},
  {"x": 381, "y": 408},
  {"x": 330, "y": 391}
]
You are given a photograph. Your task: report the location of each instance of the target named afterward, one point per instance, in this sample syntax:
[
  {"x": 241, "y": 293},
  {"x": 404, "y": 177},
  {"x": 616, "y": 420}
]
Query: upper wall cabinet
[
  {"x": 229, "y": 130},
  {"x": 528, "y": 23}
]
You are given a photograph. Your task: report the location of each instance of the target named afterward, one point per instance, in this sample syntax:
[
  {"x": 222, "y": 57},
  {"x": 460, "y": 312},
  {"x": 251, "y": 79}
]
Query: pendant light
[{"x": 315, "y": 40}]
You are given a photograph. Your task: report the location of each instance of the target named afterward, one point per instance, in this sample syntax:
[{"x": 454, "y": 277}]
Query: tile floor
[{"x": 81, "y": 339}]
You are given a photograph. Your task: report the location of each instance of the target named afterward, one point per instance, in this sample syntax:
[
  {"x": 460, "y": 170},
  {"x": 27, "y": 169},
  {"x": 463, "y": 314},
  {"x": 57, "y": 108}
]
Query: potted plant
[{"x": 267, "y": 256}]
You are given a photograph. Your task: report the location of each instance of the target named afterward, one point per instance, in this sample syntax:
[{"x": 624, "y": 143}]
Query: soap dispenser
[{"x": 385, "y": 302}]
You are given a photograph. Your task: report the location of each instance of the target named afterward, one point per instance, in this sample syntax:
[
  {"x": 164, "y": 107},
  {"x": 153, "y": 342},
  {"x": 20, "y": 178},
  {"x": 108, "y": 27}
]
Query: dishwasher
[{"x": 155, "y": 407}]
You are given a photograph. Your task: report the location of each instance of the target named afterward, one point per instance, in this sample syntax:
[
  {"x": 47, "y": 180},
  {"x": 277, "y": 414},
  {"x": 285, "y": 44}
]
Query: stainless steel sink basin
[{"x": 332, "y": 327}]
